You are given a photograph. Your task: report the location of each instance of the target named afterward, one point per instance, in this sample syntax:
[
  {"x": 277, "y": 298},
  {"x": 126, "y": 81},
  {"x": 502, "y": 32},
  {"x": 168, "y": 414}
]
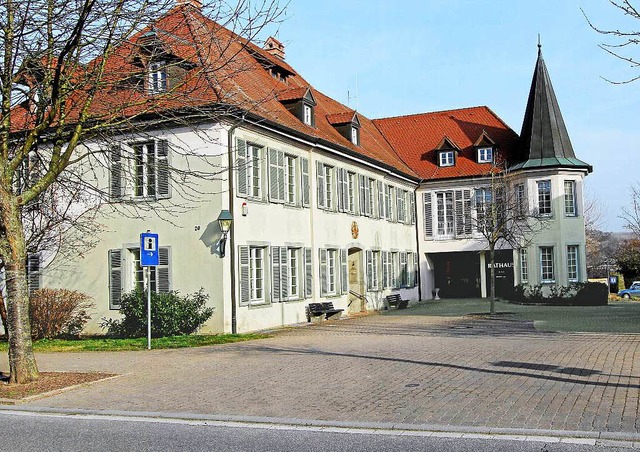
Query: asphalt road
[{"x": 25, "y": 431}]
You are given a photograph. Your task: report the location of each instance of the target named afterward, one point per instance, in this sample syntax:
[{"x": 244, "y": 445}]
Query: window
[
  {"x": 570, "y": 208},
  {"x": 402, "y": 206},
  {"x": 386, "y": 269},
  {"x": 485, "y": 155},
  {"x": 126, "y": 273},
  {"x": 373, "y": 270},
  {"x": 308, "y": 114},
  {"x": 256, "y": 265},
  {"x": 254, "y": 171},
  {"x": 521, "y": 201},
  {"x": 250, "y": 177},
  {"x": 355, "y": 135},
  {"x": 389, "y": 198},
  {"x": 325, "y": 186},
  {"x": 446, "y": 158},
  {"x": 294, "y": 273},
  {"x": 572, "y": 263},
  {"x": 544, "y": 197},
  {"x": 393, "y": 274},
  {"x": 444, "y": 206},
  {"x": 404, "y": 270},
  {"x": 157, "y": 82},
  {"x": 144, "y": 175},
  {"x": 524, "y": 266},
  {"x": 546, "y": 264},
  {"x": 147, "y": 164},
  {"x": 291, "y": 179},
  {"x": 351, "y": 190},
  {"x": 328, "y": 186},
  {"x": 328, "y": 272}
]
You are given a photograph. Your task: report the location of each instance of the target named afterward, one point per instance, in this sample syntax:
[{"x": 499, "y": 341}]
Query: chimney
[
  {"x": 274, "y": 47},
  {"x": 197, "y": 4}
]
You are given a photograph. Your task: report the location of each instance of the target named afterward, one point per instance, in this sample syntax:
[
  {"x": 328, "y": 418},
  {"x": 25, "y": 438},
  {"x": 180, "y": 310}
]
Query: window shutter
[
  {"x": 412, "y": 208},
  {"x": 163, "y": 274},
  {"x": 393, "y": 214},
  {"x": 115, "y": 279},
  {"x": 241, "y": 164},
  {"x": 381, "y": 204},
  {"x": 400, "y": 205},
  {"x": 416, "y": 269},
  {"x": 367, "y": 197},
  {"x": 276, "y": 287},
  {"x": 385, "y": 269},
  {"x": 459, "y": 213},
  {"x": 245, "y": 274},
  {"x": 304, "y": 169},
  {"x": 115, "y": 182},
  {"x": 362, "y": 197},
  {"x": 320, "y": 183},
  {"x": 428, "y": 216},
  {"x": 274, "y": 195},
  {"x": 340, "y": 176},
  {"x": 344, "y": 274},
  {"x": 280, "y": 171},
  {"x": 373, "y": 198},
  {"x": 387, "y": 207},
  {"x": 403, "y": 269},
  {"x": 369, "y": 266},
  {"x": 323, "y": 272},
  {"x": 284, "y": 274},
  {"x": 308, "y": 274},
  {"x": 163, "y": 176},
  {"x": 345, "y": 189},
  {"x": 34, "y": 280}
]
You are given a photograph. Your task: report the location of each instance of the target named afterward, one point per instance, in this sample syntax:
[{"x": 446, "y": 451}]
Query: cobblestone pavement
[{"x": 408, "y": 369}]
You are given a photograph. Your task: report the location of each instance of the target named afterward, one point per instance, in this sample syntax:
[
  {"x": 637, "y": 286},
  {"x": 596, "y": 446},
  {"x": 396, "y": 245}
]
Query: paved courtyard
[{"x": 456, "y": 371}]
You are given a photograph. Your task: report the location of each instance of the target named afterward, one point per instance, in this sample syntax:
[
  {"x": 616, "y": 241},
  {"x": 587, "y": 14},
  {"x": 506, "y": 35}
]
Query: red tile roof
[
  {"x": 341, "y": 118},
  {"x": 416, "y": 138}
]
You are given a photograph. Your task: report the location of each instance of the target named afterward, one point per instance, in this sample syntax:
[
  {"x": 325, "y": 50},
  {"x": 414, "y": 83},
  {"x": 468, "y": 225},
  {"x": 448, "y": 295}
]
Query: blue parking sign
[{"x": 149, "y": 256}]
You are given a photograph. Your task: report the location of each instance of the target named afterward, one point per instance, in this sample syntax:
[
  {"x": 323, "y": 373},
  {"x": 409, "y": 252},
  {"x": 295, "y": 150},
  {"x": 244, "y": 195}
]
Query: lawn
[
  {"x": 617, "y": 317},
  {"x": 111, "y": 345}
]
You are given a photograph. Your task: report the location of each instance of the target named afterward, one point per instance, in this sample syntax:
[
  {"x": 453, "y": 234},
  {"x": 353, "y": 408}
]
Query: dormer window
[
  {"x": 308, "y": 114},
  {"x": 446, "y": 158},
  {"x": 300, "y": 102},
  {"x": 157, "y": 77},
  {"x": 485, "y": 155},
  {"x": 355, "y": 135}
]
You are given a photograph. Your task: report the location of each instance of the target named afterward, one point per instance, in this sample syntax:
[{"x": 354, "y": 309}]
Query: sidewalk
[{"x": 425, "y": 371}]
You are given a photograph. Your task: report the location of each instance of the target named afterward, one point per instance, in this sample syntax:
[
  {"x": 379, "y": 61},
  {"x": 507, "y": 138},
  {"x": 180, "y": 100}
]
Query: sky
[{"x": 390, "y": 58}]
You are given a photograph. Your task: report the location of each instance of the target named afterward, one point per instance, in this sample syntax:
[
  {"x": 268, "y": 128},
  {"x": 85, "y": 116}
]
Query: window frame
[
  {"x": 157, "y": 78},
  {"x": 524, "y": 265},
  {"x": 571, "y": 198},
  {"x": 253, "y": 272},
  {"x": 294, "y": 265},
  {"x": 307, "y": 114},
  {"x": 291, "y": 180},
  {"x": 446, "y": 158},
  {"x": 573, "y": 261},
  {"x": 485, "y": 154},
  {"x": 551, "y": 265},
  {"x": 332, "y": 272},
  {"x": 255, "y": 178},
  {"x": 545, "y": 198},
  {"x": 354, "y": 135},
  {"x": 444, "y": 228}
]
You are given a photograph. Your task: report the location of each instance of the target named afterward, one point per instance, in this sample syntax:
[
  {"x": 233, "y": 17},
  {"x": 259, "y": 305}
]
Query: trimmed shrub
[
  {"x": 577, "y": 294},
  {"x": 171, "y": 314},
  {"x": 592, "y": 294},
  {"x": 58, "y": 312}
]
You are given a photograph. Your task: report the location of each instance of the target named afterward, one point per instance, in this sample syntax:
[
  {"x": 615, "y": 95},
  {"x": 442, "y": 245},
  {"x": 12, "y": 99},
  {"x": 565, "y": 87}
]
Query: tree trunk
[
  {"x": 22, "y": 362},
  {"x": 492, "y": 259},
  {"x": 3, "y": 315}
]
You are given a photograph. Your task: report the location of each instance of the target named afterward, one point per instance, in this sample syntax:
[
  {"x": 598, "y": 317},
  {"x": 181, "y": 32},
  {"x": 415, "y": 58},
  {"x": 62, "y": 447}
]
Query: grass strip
[{"x": 99, "y": 344}]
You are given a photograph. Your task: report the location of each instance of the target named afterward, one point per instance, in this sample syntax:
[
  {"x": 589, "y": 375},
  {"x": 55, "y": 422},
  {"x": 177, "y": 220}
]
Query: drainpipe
[
  {"x": 415, "y": 214},
  {"x": 232, "y": 245}
]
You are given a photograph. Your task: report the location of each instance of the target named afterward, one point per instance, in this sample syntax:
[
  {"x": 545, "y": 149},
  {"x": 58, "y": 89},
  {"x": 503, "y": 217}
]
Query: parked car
[{"x": 632, "y": 291}]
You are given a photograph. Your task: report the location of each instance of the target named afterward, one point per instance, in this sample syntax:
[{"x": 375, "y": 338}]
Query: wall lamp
[{"x": 224, "y": 221}]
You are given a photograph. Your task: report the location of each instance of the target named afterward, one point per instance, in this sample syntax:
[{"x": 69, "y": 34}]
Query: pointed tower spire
[{"x": 544, "y": 140}]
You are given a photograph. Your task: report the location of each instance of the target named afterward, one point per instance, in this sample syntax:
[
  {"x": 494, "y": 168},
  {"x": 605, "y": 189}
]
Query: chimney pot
[{"x": 274, "y": 47}]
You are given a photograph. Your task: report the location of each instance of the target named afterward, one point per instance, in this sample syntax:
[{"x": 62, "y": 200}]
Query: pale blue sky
[{"x": 402, "y": 57}]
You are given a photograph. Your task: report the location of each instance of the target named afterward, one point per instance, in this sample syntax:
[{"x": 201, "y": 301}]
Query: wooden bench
[
  {"x": 318, "y": 309},
  {"x": 395, "y": 300}
]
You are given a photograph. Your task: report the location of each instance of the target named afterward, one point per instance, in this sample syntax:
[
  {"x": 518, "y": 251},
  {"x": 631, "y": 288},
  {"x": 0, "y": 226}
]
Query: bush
[
  {"x": 592, "y": 294},
  {"x": 171, "y": 314},
  {"x": 58, "y": 312},
  {"x": 577, "y": 294}
]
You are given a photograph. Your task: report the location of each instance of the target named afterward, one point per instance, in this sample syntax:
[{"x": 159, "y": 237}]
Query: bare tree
[
  {"x": 503, "y": 218},
  {"x": 624, "y": 40},
  {"x": 631, "y": 214},
  {"x": 74, "y": 74}
]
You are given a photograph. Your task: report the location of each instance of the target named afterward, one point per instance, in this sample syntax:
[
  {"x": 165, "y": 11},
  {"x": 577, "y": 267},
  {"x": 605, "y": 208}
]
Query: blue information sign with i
[{"x": 149, "y": 256}]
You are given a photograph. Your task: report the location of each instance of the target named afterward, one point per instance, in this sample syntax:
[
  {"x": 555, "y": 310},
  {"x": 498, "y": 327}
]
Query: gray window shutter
[
  {"x": 385, "y": 269},
  {"x": 400, "y": 205},
  {"x": 403, "y": 269},
  {"x": 284, "y": 274},
  {"x": 373, "y": 198},
  {"x": 241, "y": 165},
  {"x": 163, "y": 271},
  {"x": 428, "y": 215},
  {"x": 467, "y": 209},
  {"x": 459, "y": 213},
  {"x": 245, "y": 274},
  {"x": 381, "y": 204},
  {"x": 412, "y": 208},
  {"x": 304, "y": 170},
  {"x": 369, "y": 270},
  {"x": 276, "y": 286},
  {"x": 34, "y": 279},
  {"x": 392, "y": 214},
  {"x": 344, "y": 273},
  {"x": 115, "y": 174},
  {"x": 163, "y": 176},
  {"x": 280, "y": 170},
  {"x": 274, "y": 194},
  {"x": 345, "y": 189},
  {"x": 323, "y": 271},
  {"x": 115, "y": 279},
  {"x": 416, "y": 269},
  {"x": 340, "y": 176},
  {"x": 320, "y": 183},
  {"x": 308, "y": 274}
]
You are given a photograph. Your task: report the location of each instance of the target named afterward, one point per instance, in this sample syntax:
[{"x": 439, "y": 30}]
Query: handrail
[{"x": 357, "y": 295}]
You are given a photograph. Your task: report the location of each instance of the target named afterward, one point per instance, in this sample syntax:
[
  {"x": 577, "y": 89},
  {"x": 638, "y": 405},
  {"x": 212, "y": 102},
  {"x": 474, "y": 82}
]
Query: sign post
[{"x": 149, "y": 257}]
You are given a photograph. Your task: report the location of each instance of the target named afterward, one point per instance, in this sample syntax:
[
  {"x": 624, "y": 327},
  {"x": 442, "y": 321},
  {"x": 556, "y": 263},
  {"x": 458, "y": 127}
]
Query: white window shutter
[
  {"x": 241, "y": 165},
  {"x": 163, "y": 273},
  {"x": 163, "y": 175},
  {"x": 344, "y": 274},
  {"x": 284, "y": 274},
  {"x": 320, "y": 184},
  {"x": 428, "y": 215},
  {"x": 308, "y": 274},
  {"x": 323, "y": 271},
  {"x": 115, "y": 279},
  {"x": 245, "y": 274},
  {"x": 369, "y": 266},
  {"x": 276, "y": 289},
  {"x": 115, "y": 173},
  {"x": 304, "y": 170}
]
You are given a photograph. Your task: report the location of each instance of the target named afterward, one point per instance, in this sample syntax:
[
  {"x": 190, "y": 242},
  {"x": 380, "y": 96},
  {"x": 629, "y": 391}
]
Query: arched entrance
[{"x": 356, "y": 281}]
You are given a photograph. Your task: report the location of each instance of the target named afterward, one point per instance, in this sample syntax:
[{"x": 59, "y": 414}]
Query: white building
[{"x": 323, "y": 199}]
